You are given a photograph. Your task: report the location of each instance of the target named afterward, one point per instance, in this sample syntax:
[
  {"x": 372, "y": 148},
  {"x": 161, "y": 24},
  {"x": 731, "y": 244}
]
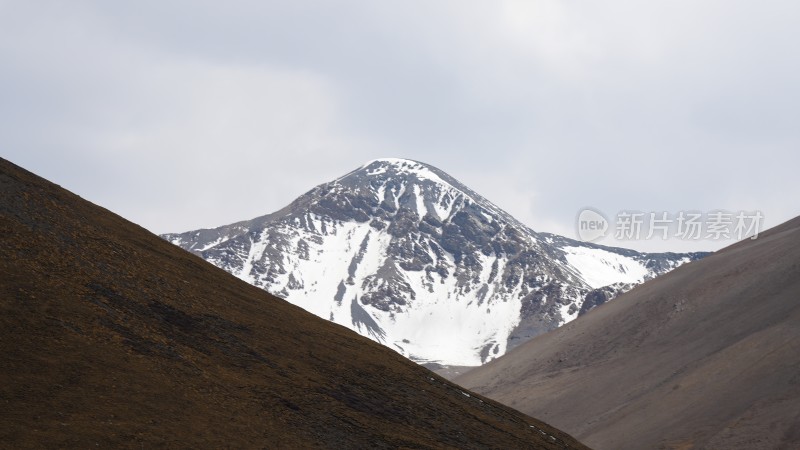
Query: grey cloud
[{"x": 184, "y": 114}]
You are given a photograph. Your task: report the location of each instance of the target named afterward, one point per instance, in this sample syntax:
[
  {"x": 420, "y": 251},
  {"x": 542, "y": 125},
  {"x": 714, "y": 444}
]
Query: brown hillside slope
[
  {"x": 111, "y": 337},
  {"x": 707, "y": 356}
]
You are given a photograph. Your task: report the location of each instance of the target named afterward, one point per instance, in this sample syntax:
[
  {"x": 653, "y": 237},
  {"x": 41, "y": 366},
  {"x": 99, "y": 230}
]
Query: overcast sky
[{"x": 186, "y": 114}]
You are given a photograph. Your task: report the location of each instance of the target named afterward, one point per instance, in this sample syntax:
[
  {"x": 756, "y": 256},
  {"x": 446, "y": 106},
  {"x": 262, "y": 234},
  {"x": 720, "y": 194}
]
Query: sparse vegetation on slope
[{"x": 112, "y": 337}]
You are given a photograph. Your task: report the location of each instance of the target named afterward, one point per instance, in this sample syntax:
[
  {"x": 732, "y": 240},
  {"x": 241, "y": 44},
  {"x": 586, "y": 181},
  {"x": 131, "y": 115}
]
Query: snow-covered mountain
[{"x": 401, "y": 252}]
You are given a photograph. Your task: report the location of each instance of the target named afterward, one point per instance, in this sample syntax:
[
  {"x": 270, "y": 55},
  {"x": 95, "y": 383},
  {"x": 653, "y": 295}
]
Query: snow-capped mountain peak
[{"x": 403, "y": 253}]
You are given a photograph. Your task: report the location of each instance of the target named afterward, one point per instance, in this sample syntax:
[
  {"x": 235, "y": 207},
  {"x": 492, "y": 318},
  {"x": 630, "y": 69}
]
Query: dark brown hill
[
  {"x": 707, "y": 356},
  {"x": 112, "y": 337}
]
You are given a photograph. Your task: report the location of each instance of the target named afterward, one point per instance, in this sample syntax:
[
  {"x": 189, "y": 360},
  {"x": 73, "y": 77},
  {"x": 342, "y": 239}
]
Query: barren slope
[
  {"x": 707, "y": 356},
  {"x": 158, "y": 348}
]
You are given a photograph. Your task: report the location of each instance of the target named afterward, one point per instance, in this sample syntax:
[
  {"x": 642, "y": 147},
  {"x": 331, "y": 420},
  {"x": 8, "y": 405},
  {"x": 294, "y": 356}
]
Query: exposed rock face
[
  {"x": 597, "y": 297},
  {"x": 405, "y": 254}
]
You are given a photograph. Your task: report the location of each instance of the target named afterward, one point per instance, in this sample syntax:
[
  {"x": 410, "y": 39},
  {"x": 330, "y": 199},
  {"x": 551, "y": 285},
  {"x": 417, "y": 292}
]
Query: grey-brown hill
[{"x": 707, "y": 356}]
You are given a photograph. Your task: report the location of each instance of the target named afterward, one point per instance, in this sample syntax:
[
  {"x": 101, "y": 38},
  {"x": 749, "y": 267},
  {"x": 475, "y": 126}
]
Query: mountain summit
[{"x": 407, "y": 255}]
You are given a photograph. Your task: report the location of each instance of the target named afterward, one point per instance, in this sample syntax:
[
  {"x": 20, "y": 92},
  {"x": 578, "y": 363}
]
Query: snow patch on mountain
[{"x": 600, "y": 268}]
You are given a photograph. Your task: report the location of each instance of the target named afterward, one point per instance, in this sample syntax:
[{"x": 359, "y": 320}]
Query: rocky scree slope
[{"x": 706, "y": 356}]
